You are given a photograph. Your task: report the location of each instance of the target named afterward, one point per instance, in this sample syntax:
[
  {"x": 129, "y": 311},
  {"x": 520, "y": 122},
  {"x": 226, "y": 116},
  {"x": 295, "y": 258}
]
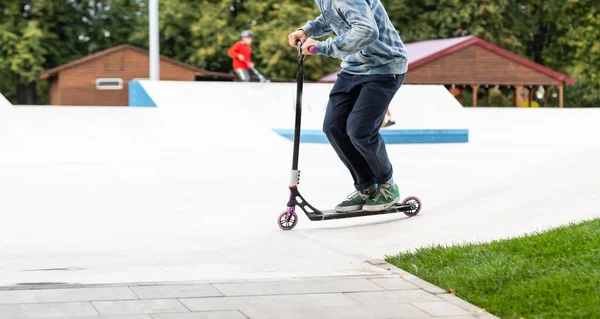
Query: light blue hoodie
[{"x": 366, "y": 41}]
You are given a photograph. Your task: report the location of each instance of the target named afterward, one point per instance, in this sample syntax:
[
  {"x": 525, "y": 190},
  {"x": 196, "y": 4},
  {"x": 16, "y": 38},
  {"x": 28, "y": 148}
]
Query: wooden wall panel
[
  {"x": 477, "y": 65},
  {"x": 77, "y": 85}
]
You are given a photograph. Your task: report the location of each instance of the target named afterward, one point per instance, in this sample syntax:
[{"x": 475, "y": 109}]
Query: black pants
[{"x": 356, "y": 110}]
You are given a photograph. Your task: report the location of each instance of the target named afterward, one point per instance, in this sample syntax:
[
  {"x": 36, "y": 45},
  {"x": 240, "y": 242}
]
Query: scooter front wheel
[
  {"x": 415, "y": 206},
  {"x": 287, "y": 220}
]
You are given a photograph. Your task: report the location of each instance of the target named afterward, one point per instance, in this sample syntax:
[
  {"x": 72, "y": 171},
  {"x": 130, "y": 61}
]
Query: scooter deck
[{"x": 333, "y": 214}]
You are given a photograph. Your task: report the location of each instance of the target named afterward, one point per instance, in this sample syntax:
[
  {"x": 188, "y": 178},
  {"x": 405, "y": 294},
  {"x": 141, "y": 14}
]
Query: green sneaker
[
  {"x": 385, "y": 197},
  {"x": 355, "y": 201}
]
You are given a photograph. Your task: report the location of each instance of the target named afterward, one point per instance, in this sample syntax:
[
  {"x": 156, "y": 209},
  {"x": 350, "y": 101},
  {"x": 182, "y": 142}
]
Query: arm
[
  {"x": 363, "y": 30},
  {"x": 233, "y": 52},
  {"x": 316, "y": 28}
]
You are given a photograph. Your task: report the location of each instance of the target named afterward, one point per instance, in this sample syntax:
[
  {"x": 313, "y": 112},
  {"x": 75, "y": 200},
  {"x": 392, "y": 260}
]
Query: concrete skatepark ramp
[
  {"x": 274, "y": 105},
  {"x": 190, "y": 190},
  {"x": 3, "y": 101}
]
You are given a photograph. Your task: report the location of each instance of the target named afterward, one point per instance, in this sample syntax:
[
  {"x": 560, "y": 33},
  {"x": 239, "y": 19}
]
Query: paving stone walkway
[{"x": 394, "y": 295}]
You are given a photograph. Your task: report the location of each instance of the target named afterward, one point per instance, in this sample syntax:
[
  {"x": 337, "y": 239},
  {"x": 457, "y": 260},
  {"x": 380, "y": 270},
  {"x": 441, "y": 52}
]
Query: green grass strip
[{"x": 554, "y": 274}]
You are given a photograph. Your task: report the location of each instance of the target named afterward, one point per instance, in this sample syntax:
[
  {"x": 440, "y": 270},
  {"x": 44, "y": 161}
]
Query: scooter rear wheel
[{"x": 287, "y": 221}]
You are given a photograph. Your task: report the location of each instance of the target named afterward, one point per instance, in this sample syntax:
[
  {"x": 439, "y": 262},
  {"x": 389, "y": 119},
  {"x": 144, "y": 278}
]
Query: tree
[
  {"x": 221, "y": 22},
  {"x": 564, "y": 36},
  {"x": 21, "y": 49},
  {"x": 42, "y": 34},
  {"x": 581, "y": 55},
  {"x": 497, "y": 21},
  {"x": 559, "y": 34}
]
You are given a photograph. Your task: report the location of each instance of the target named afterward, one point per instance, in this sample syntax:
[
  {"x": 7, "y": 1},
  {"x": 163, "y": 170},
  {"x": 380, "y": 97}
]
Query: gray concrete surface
[{"x": 395, "y": 294}]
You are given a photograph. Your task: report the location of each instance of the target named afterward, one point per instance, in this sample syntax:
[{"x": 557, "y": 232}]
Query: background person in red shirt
[{"x": 240, "y": 52}]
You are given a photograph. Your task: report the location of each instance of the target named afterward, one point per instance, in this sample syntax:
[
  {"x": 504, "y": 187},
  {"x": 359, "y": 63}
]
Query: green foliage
[
  {"x": 41, "y": 34},
  {"x": 562, "y": 35},
  {"x": 582, "y": 50},
  {"x": 584, "y": 93},
  {"x": 497, "y": 21},
  {"x": 220, "y": 22},
  {"x": 29, "y": 53}
]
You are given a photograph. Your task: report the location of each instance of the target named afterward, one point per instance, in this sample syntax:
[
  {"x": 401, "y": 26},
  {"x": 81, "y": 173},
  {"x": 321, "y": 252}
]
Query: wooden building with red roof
[
  {"x": 103, "y": 78},
  {"x": 473, "y": 62}
]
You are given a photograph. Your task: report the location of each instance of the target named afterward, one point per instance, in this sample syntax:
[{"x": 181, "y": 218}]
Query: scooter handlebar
[{"x": 312, "y": 50}]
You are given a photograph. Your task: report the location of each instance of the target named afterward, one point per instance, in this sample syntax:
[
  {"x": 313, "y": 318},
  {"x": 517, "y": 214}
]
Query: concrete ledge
[
  {"x": 4, "y": 101},
  {"x": 433, "y": 289},
  {"x": 389, "y": 136},
  {"x": 394, "y": 293},
  {"x": 138, "y": 95}
]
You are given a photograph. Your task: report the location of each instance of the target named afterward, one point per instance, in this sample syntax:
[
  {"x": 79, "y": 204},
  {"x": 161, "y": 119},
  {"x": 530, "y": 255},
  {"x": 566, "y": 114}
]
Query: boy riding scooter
[{"x": 374, "y": 64}]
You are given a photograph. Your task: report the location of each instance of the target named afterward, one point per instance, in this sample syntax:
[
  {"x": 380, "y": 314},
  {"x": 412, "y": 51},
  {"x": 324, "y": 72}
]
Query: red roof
[{"x": 421, "y": 53}]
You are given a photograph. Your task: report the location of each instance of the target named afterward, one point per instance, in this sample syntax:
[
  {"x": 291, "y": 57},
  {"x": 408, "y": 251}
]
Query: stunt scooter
[
  {"x": 411, "y": 206},
  {"x": 261, "y": 78}
]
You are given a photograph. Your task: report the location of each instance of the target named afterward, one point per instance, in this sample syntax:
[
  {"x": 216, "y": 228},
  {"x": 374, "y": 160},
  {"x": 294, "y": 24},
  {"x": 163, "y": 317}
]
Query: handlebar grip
[{"x": 312, "y": 50}]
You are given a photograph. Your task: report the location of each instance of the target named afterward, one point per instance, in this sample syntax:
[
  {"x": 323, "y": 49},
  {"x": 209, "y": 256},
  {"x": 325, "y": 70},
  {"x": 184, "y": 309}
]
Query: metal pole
[{"x": 154, "y": 42}]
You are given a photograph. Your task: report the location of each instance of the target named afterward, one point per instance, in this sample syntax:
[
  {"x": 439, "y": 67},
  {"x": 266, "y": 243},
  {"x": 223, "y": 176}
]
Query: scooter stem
[{"x": 298, "y": 123}]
